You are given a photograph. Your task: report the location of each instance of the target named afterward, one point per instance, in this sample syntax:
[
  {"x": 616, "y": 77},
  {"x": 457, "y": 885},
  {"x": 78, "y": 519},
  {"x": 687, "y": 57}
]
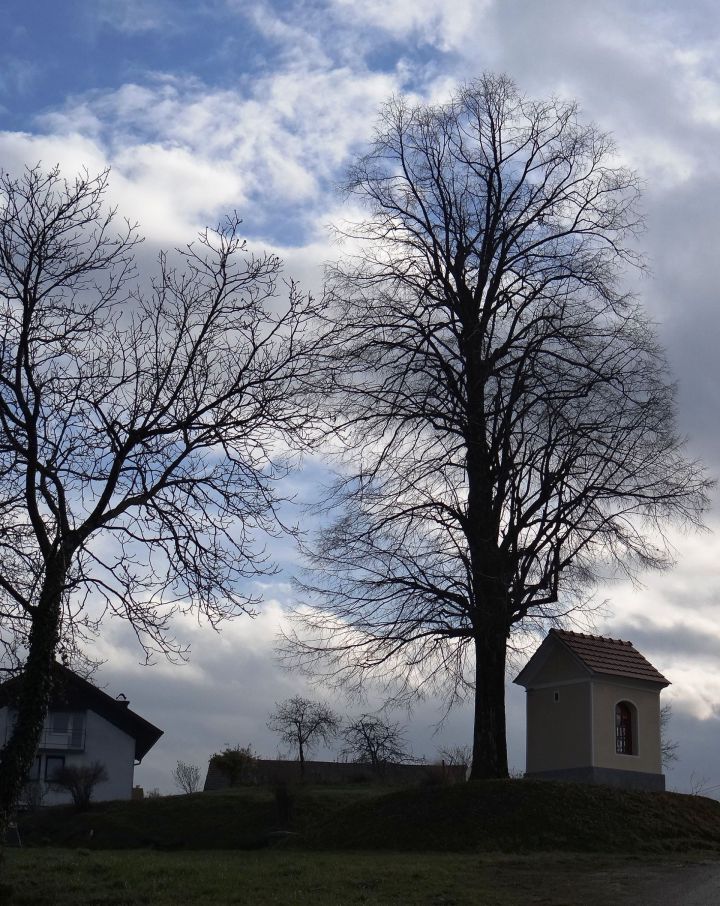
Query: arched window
[{"x": 624, "y": 742}]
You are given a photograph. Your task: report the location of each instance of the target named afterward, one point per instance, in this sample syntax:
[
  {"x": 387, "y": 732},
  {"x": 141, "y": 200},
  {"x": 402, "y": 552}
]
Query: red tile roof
[{"x": 609, "y": 656}]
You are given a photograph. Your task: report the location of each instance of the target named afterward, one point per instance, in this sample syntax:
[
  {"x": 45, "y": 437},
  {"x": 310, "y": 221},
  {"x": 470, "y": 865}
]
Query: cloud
[
  {"x": 422, "y": 21},
  {"x": 17, "y": 75},
  {"x": 183, "y": 153},
  {"x": 136, "y": 16}
]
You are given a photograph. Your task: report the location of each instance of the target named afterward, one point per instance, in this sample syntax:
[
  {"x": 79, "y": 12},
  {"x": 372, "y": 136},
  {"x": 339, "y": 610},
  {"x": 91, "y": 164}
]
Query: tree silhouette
[
  {"x": 506, "y": 409},
  {"x": 375, "y": 741},
  {"x": 303, "y": 724},
  {"x": 141, "y": 431}
]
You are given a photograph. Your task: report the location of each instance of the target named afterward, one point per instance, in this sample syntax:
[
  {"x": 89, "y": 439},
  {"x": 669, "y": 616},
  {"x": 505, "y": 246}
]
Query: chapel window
[{"x": 624, "y": 743}]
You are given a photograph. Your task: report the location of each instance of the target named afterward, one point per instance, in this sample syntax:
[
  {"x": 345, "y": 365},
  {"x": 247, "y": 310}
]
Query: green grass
[
  {"x": 242, "y": 818},
  {"x": 494, "y": 816},
  {"x": 524, "y": 816},
  {"x": 432, "y": 846},
  {"x": 274, "y": 878}
]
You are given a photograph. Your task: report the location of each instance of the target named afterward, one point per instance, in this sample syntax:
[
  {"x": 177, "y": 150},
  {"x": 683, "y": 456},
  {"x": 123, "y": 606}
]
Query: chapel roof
[{"x": 598, "y": 655}]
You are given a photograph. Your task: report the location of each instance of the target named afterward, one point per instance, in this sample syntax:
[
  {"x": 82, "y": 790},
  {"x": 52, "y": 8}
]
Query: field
[
  {"x": 501, "y": 842},
  {"x": 273, "y": 878}
]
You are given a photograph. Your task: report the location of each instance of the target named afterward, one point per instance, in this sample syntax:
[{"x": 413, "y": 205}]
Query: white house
[
  {"x": 83, "y": 725},
  {"x": 593, "y": 712}
]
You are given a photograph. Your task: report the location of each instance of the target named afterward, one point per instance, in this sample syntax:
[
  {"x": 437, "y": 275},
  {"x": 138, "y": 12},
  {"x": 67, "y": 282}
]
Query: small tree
[
  {"x": 453, "y": 756},
  {"x": 187, "y": 777},
  {"x": 79, "y": 781},
  {"x": 303, "y": 724},
  {"x": 235, "y": 762},
  {"x": 372, "y": 740},
  {"x": 668, "y": 747}
]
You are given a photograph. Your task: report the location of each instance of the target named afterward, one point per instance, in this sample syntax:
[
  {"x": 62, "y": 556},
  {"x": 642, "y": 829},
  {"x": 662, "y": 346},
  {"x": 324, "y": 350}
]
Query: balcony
[
  {"x": 70, "y": 740},
  {"x": 60, "y": 735}
]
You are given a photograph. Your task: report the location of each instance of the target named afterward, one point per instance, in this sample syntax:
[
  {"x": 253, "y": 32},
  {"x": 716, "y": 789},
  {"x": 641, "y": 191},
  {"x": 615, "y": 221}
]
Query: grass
[
  {"x": 504, "y": 815},
  {"x": 524, "y": 816},
  {"x": 275, "y": 878},
  {"x": 498, "y": 843},
  {"x": 241, "y": 818}
]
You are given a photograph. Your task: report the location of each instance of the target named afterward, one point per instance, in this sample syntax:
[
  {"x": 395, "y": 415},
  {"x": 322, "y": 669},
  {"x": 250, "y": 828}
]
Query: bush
[
  {"x": 79, "y": 781},
  {"x": 236, "y": 763},
  {"x": 187, "y": 777}
]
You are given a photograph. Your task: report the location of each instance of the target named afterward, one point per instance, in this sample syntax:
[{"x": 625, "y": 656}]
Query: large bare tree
[
  {"x": 506, "y": 407},
  {"x": 142, "y": 431}
]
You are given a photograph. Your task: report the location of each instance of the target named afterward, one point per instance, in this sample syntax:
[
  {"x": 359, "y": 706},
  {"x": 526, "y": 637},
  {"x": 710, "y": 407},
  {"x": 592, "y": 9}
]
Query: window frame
[
  {"x": 48, "y": 760},
  {"x": 626, "y": 743}
]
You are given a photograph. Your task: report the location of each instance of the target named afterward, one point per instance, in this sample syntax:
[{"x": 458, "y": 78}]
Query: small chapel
[{"x": 593, "y": 712}]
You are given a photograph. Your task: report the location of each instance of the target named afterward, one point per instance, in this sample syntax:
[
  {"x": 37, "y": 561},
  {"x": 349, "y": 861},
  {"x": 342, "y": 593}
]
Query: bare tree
[
  {"x": 454, "y": 756},
  {"x": 141, "y": 431},
  {"x": 80, "y": 781},
  {"x": 186, "y": 777},
  {"x": 371, "y": 739},
  {"x": 668, "y": 747},
  {"x": 508, "y": 417},
  {"x": 302, "y": 724}
]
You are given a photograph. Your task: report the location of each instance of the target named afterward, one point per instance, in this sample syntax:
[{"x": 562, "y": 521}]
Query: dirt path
[
  {"x": 679, "y": 884},
  {"x": 608, "y": 881}
]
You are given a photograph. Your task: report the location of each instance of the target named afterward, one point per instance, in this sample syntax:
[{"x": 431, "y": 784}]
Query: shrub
[
  {"x": 187, "y": 777},
  {"x": 236, "y": 763},
  {"x": 79, "y": 781}
]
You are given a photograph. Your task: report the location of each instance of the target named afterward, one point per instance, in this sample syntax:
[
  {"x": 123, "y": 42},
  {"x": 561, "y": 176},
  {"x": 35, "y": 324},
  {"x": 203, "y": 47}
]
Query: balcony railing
[{"x": 70, "y": 739}]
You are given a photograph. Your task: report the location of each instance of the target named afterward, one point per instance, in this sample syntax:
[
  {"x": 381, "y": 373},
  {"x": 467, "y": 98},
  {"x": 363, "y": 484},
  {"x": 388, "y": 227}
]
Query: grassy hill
[
  {"x": 241, "y": 818},
  {"x": 524, "y": 816},
  {"x": 510, "y": 816}
]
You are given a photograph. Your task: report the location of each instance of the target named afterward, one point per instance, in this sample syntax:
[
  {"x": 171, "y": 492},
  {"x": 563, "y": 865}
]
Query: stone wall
[{"x": 273, "y": 771}]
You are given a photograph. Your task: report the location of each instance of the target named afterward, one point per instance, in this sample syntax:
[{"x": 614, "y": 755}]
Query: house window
[
  {"x": 60, "y": 722},
  {"x": 624, "y": 736},
  {"x": 53, "y": 763}
]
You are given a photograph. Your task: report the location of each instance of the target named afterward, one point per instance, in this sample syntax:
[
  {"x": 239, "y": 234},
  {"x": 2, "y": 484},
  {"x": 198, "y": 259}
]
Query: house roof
[
  {"x": 598, "y": 655},
  {"x": 71, "y": 691}
]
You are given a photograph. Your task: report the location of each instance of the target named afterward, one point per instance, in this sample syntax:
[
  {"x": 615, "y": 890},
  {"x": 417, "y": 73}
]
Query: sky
[{"x": 219, "y": 105}]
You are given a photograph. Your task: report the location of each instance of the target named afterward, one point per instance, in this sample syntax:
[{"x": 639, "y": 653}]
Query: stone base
[{"x": 629, "y": 780}]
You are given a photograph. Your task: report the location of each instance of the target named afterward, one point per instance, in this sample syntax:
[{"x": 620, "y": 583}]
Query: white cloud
[
  {"x": 426, "y": 21},
  {"x": 136, "y": 16}
]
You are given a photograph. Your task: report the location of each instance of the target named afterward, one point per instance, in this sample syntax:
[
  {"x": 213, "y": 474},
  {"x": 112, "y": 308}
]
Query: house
[
  {"x": 593, "y": 712},
  {"x": 83, "y": 725}
]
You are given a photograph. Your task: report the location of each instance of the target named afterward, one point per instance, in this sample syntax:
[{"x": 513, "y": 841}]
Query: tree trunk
[
  {"x": 489, "y": 743},
  {"x": 302, "y": 759},
  {"x": 34, "y": 696}
]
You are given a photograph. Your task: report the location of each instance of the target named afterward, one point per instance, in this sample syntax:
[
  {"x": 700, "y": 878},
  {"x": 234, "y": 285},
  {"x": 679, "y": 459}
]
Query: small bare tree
[
  {"x": 142, "y": 431},
  {"x": 186, "y": 777},
  {"x": 79, "y": 781},
  {"x": 668, "y": 747},
  {"x": 372, "y": 740},
  {"x": 456, "y": 755},
  {"x": 303, "y": 724}
]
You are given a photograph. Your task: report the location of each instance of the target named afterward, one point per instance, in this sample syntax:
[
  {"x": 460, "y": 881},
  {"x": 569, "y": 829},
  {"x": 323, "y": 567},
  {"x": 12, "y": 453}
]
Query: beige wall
[
  {"x": 559, "y": 733},
  {"x": 559, "y": 667},
  {"x": 647, "y": 736}
]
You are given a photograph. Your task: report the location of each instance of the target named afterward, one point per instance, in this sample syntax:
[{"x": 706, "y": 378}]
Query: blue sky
[{"x": 203, "y": 108}]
